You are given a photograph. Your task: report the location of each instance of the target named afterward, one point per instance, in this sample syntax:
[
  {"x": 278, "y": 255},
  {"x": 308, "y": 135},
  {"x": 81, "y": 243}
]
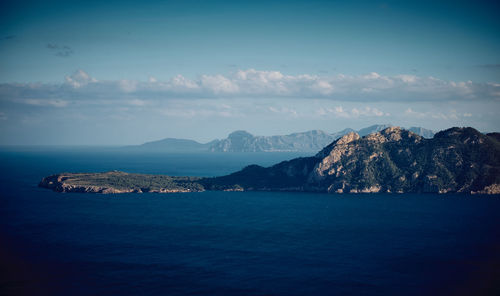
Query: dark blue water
[{"x": 233, "y": 243}]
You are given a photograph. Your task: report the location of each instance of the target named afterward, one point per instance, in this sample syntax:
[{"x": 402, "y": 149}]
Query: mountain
[
  {"x": 243, "y": 141},
  {"x": 310, "y": 141},
  {"x": 372, "y": 129},
  {"x": 426, "y": 133},
  {"x": 173, "y": 145},
  {"x": 392, "y": 160}
]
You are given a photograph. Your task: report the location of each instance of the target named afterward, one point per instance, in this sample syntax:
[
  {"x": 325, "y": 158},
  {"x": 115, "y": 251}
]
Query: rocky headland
[
  {"x": 119, "y": 182},
  {"x": 393, "y": 160}
]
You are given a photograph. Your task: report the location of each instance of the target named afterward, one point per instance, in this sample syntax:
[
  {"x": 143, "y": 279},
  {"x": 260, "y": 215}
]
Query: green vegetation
[{"x": 121, "y": 181}]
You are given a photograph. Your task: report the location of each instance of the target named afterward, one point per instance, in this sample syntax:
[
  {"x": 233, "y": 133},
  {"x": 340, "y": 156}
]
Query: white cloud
[
  {"x": 137, "y": 102},
  {"x": 251, "y": 83},
  {"x": 411, "y": 112},
  {"x": 218, "y": 84},
  {"x": 180, "y": 83},
  {"x": 337, "y": 111},
  {"x": 407, "y": 78},
  {"x": 322, "y": 86},
  {"x": 40, "y": 102},
  {"x": 284, "y": 110},
  {"x": 189, "y": 109},
  {"x": 443, "y": 114},
  {"x": 367, "y": 111},
  {"x": 127, "y": 86},
  {"x": 372, "y": 75},
  {"x": 79, "y": 78},
  {"x": 261, "y": 76},
  {"x": 341, "y": 112}
]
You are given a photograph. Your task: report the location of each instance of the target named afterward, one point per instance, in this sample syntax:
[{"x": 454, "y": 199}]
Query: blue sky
[{"x": 124, "y": 72}]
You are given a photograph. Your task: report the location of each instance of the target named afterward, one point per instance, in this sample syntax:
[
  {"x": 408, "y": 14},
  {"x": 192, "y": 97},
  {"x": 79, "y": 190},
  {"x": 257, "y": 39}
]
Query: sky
[{"x": 125, "y": 72}]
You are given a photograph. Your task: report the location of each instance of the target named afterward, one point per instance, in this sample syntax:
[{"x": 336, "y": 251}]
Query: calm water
[{"x": 233, "y": 243}]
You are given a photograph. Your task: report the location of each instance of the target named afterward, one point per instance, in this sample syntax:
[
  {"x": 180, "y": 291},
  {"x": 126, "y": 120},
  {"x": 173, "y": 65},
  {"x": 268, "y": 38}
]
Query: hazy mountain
[
  {"x": 171, "y": 144},
  {"x": 310, "y": 141},
  {"x": 392, "y": 160},
  {"x": 243, "y": 141},
  {"x": 426, "y": 133},
  {"x": 372, "y": 129}
]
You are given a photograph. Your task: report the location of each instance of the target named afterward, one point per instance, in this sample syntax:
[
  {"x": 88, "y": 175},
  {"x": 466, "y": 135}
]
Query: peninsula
[{"x": 394, "y": 160}]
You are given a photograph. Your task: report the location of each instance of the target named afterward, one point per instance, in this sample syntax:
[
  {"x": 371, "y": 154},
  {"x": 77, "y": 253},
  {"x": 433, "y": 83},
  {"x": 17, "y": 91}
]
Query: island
[
  {"x": 120, "y": 182},
  {"x": 394, "y": 160}
]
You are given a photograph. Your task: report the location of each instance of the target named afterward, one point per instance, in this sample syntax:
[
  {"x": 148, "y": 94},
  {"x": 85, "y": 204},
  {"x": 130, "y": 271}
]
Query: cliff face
[{"x": 392, "y": 160}]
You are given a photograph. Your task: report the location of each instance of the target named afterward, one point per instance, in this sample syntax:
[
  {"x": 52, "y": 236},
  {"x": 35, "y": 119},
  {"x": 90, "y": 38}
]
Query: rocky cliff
[{"x": 392, "y": 160}]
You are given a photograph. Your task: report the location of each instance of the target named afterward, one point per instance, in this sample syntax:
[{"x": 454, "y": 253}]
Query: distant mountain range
[
  {"x": 175, "y": 145},
  {"x": 242, "y": 141}
]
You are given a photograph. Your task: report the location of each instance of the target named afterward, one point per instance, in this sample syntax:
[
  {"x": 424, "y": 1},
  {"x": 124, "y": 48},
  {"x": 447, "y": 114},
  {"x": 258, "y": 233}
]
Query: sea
[{"x": 232, "y": 243}]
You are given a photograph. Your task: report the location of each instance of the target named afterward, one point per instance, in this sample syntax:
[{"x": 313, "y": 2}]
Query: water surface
[{"x": 233, "y": 243}]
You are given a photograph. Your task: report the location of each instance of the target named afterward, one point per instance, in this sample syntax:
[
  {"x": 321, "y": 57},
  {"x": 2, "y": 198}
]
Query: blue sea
[{"x": 232, "y": 243}]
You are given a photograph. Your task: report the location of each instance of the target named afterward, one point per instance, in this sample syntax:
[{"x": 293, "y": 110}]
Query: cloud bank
[{"x": 372, "y": 87}]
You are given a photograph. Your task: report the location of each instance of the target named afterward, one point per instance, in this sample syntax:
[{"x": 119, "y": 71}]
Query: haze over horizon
[{"x": 119, "y": 73}]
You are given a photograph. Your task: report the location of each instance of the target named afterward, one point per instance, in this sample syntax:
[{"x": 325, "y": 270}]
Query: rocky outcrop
[
  {"x": 331, "y": 155},
  {"x": 393, "y": 160},
  {"x": 491, "y": 189}
]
